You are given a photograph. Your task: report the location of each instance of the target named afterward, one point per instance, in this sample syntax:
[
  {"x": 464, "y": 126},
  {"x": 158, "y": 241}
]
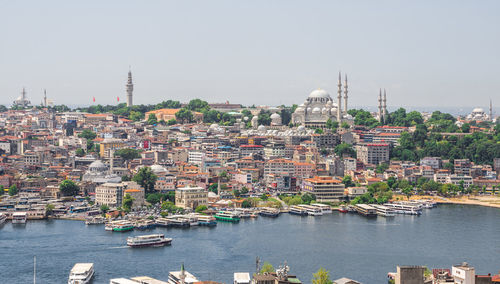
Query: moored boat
[
  {"x": 81, "y": 273},
  {"x": 144, "y": 225},
  {"x": 384, "y": 211},
  {"x": 153, "y": 240},
  {"x": 123, "y": 226},
  {"x": 227, "y": 216},
  {"x": 366, "y": 210},
  {"x": 269, "y": 212},
  {"x": 3, "y": 218},
  {"x": 162, "y": 222},
  {"x": 312, "y": 210},
  {"x": 297, "y": 210},
  {"x": 343, "y": 209},
  {"x": 19, "y": 218},
  {"x": 205, "y": 220},
  {"x": 325, "y": 209},
  {"x": 94, "y": 221}
]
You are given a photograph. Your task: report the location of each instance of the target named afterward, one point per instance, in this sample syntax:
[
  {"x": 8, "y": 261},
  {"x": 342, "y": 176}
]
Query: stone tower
[
  {"x": 345, "y": 94},
  {"x": 384, "y": 110},
  {"x": 130, "y": 89},
  {"x": 380, "y": 114}
]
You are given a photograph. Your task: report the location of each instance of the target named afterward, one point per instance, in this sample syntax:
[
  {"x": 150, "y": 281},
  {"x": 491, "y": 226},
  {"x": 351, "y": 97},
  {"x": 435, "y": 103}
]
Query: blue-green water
[{"x": 348, "y": 245}]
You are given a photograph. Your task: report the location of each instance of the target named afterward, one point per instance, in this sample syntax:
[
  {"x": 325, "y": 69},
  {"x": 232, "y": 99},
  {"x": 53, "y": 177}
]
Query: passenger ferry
[
  {"x": 227, "y": 216},
  {"x": 123, "y": 226},
  {"x": 19, "y": 217},
  {"x": 178, "y": 221},
  {"x": 312, "y": 210},
  {"x": 205, "y": 220},
  {"x": 384, "y": 211},
  {"x": 154, "y": 240},
  {"x": 326, "y": 209},
  {"x": 145, "y": 224},
  {"x": 81, "y": 273},
  {"x": 244, "y": 212},
  {"x": 343, "y": 209},
  {"x": 192, "y": 220},
  {"x": 269, "y": 212},
  {"x": 366, "y": 210},
  {"x": 162, "y": 222},
  {"x": 3, "y": 218},
  {"x": 400, "y": 208},
  {"x": 94, "y": 221},
  {"x": 297, "y": 210}
]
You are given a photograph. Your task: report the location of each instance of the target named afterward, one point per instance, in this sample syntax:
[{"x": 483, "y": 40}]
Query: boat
[
  {"x": 162, "y": 222},
  {"x": 145, "y": 224},
  {"x": 326, "y": 209},
  {"x": 205, "y": 220},
  {"x": 384, "y": 211},
  {"x": 312, "y": 210},
  {"x": 343, "y": 209},
  {"x": 244, "y": 212},
  {"x": 269, "y": 212},
  {"x": 123, "y": 226},
  {"x": 192, "y": 220},
  {"x": 366, "y": 210},
  {"x": 19, "y": 217},
  {"x": 153, "y": 240},
  {"x": 81, "y": 273},
  {"x": 94, "y": 221},
  {"x": 3, "y": 218},
  {"x": 178, "y": 221},
  {"x": 401, "y": 208},
  {"x": 297, "y": 210},
  {"x": 227, "y": 216}
]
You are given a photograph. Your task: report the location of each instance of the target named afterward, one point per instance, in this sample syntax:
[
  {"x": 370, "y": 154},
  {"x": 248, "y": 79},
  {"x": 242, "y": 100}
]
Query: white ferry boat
[
  {"x": 297, "y": 210},
  {"x": 244, "y": 212},
  {"x": 191, "y": 219},
  {"x": 81, "y": 273},
  {"x": 95, "y": 221},
  {"x": 404, "y": 208},
  {"x": 19, "y": 218},
  {"x": 154, "y": 240},
  {"x": 366, "y": 210},
  {"x": 384, "y": 211},
  {"x": 3, "y": 218},
  {"x": 162, "y": 222},
  {"x": 312, "y": 210},
  {"x": 326, "y": 209}
]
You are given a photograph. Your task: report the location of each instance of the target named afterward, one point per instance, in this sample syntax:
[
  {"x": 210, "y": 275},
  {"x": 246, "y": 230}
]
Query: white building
[
  {"x": 463, "y": 274},
  {"x": 196, "y": 157}
]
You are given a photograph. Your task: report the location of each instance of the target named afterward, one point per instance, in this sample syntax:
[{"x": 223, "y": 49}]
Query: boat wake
[{"x": 120, "y": 247}]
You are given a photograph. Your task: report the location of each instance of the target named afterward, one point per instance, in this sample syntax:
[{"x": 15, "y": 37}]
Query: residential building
[
  {"x": 190, "y": 197},
  {"x": 373, "y": 153},
  {"x": 107, "y": 145},
  {"x": 325, "y": 188},
  {"x": 433, "y": 162},
  {"x": 457, "y": 179},
  {"x": 410, "y": 275},
  {"x": 462, "y": 167},
  {"x": 111, "y": 194},
  {"x": 463, "y": 274}
]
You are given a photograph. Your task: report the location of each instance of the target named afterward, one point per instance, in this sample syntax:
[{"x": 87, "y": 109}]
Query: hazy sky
[{"x": 425, "y": 53}]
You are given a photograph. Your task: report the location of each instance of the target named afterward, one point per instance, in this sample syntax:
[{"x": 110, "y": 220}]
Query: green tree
[
  {"x": 333, "y": 125},
  {"x": 104, "y": 208},
  {"x": 408, "y": 190},
  {"x": 267, "y": 268},
  {"x": 197, "y": 105},
  {"x": 345, "y": 125},
  {"x": 152, "y": 119},
  {"x": 264, "y": 197},
  {"x": 2, "y": 190},
  {"x": 146, "y": 178},
  {"x": 49, "y": 208},
  {"x": 201, "y": 208},
  {"x": 135, "y": 116},
  {"x": 381, "y": 168},
  {"x": 184, "y": 116},
  {"x": 264, "y": 118},
  {"x": 172, "y": 122},
  {"x": 68, "y": 188},
  {"x": 127, "y": 154},
  {"x": 246, "y": 204},
  {"x": 347, "y": 181},
  {"x": 345, "y": 149},
  {"x": 127, "y": 203},
  {"x": 80, "y": 152},
  {"x": 322, "y": 276},
  {"x": 87, "y": 134}
]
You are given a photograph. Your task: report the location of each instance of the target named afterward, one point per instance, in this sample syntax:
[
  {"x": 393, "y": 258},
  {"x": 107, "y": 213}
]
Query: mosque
[{"x": 319, "y": 107}]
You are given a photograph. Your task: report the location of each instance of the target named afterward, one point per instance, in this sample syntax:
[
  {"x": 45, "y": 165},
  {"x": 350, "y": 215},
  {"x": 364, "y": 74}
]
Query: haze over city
[{"x": 425, "y": 53}]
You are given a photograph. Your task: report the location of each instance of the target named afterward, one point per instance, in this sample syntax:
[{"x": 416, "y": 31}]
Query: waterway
[{"x": 349, "y": 245}]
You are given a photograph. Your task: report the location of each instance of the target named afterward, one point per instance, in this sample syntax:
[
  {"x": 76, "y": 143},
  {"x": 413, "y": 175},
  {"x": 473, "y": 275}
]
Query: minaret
[
  {"x": 380, "y": 105},
  {"x": 339, "y": 100},
  {"x": 130, "y": 89},
  {"x": 491, "y": 111},
  {"x": 345, "y": 95},
  {"x": 182, "y": 276},
  {"x": 44, "y": 98},
  {"x": 384, "y": 110}
]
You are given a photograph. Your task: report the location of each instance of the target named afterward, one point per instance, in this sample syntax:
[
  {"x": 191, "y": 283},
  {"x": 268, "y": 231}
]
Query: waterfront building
[
  {"x": 462, "y": 167},
  {"x": 112, "y": 194},
  {"x": 181, "y": 277},
  {"x": 137, "y": 194},
  {"x": 410, "y": 275},
  {"x": 463, "y": 273},
  {"x": 241, "y": 278},
  {"x": 325, "y": 188},
  {"x": 279, "y": 166},
  {"x": 190, "y": 197},
  {"x": 373, "y": 153}
]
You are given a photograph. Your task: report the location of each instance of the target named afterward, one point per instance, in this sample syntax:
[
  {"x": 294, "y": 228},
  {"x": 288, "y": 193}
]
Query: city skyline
[{"x": 180, "y": 51}]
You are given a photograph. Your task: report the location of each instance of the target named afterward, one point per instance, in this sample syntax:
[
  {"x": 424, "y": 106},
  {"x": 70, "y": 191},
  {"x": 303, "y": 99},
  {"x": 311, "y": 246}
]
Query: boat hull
[
  {"x": 125, "y": 229},
  {"x": 156, "y": 244}
]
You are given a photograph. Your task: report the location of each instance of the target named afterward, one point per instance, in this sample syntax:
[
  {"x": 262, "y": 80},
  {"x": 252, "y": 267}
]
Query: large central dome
[{"x": 319, "y": 93}]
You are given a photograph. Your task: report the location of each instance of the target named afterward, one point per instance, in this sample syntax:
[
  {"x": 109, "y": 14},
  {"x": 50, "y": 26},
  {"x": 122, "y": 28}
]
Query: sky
[{"x": 431, "y": 53}]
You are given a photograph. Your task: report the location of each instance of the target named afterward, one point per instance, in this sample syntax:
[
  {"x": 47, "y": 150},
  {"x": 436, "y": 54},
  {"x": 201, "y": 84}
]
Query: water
[{"x": 348, "y": 245}]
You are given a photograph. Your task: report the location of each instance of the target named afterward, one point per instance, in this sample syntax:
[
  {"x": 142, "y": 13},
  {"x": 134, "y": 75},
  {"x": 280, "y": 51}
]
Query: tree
[
  {"x": 307, "y": 198},
  {"x": 184, "y": 116},
  {"x": 267, "y": 268},
  {"x": 13, "y": 190},
  {"x": 321, "y": 277},
  {"x": 172, "y": 122},
  {"x": 146, "y": 178},
  {"x": 345, "y": 125},
  {"x": 87, "y": 134},
  {"x": 69, "y": 188},
  {"x": 407, "y": 191},
  {"x": 127, "y": 154},
  {"x": 264, "y": 197},
  {"x": 345, "y": 149},
  {"x": 80, "y": 152},
  {"x": 236, "y": 193},
  {"x": 201, "y": 208},
  {"x": 333, "y": 125},
  {"x": 197, "y": 105},
  {"x": 347, "y": 181},
  {"x": 2, "y": 190},
  {"x": 381, "y": 168},
  {"x": 264, "y": 118},
  {"x": 49, "y": 208},
  {"x": 152, "y": 119},
  {"x": 135, "y": 116},
  {"x": 246, "y": 204},
  {"x": 127, "y": 203},
  {"x": 104, "y": 208}
]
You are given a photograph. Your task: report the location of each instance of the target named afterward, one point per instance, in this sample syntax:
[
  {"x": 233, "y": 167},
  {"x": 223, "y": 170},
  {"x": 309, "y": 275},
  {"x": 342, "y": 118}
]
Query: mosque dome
[
  {"x": 157, "y": 169},
  {"x": 97, "y": 166},
  {"x": 275, "y": 116},
  {"x": 319, "y": 93},
  {"x": 478, "y": 110},
  {"x": 261, "y": 128},
  {"x": 301, "y": 128},
  {"x": 299, "y": 110},
  {"x": 316, "y": 110}
]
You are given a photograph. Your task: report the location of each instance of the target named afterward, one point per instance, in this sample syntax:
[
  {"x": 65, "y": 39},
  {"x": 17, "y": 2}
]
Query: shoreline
[{"x": 487, "y": 201}]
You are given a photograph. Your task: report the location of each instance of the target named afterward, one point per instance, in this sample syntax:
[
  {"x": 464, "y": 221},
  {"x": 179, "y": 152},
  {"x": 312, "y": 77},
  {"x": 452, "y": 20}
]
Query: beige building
[
  {"x": 190, "y": 197},
  {"x": 110, "y": 144},
  {"x": 137, "y": 195},
  {"x": 325, "y": 188},
  {"x": 111, "y": 194},
  {"x": 373, "y": 153}
]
